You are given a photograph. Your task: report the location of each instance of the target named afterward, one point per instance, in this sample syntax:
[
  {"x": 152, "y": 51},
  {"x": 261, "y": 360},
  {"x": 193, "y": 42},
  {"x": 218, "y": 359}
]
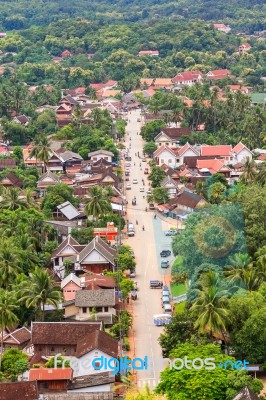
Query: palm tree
[
  {"x": 261, "y": 177},
  {"x": 249, "y": 171},
  {"x": 41, "y": 291},
  {"x": 42, "y": 150},
  {"x": 98, "y": 205},
  {"x": 9, "y": 261},
  {"x": 11, "y": 200},
  {"x": 7, "y": 316},
  {"x": 211, "y": 305}
]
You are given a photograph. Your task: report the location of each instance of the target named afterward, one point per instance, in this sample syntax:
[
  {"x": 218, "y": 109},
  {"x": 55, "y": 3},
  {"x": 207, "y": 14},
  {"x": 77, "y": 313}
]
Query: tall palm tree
[
  {"x": 261, "y": 177},
  {"x": 41, "y": 291},
  {"x": 211, "y": 306},
  {"x": 9, "y": 261},
  {"x": 41, "y": 150},
  {"x": 7, "y": 316},
  {"x": 98, "y": 205},
  {"x": 11, "y": 200},
  {"x": 249, "y": 171}
]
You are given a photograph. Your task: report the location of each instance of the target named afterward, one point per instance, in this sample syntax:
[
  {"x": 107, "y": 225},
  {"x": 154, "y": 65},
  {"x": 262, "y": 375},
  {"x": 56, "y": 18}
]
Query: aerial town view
[{"x": 133, "y": 200}]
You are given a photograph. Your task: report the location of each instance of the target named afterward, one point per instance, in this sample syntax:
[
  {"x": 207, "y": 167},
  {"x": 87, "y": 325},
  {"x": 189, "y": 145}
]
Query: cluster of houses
[{"x": 83, "y": 344}]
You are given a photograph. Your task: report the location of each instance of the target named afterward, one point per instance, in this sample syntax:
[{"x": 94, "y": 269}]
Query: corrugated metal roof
[{"x": 69, "y": 211}]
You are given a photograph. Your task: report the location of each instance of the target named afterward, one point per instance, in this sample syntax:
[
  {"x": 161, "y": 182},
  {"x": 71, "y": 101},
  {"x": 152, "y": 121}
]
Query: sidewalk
[
  {"x": 131, "y": 339},
  {"x": 173, "y": 222}
]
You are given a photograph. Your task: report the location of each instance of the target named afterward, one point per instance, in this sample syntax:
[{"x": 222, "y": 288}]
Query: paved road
[{"x": 147, "y": 246}]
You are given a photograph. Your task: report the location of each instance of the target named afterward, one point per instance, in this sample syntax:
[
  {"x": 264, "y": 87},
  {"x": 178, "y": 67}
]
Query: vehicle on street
[
  {"x": 165, "y": 300},
  {"x": 151, "y": 206},
  {"x": 127, "y": 178},
  {"x": 132, "y": 274},
  {"x": 165, "y": 264},
  {"x": 146, "y": 171},
  {"x": 135, "y": 285},
  {"x": 165, "y": 293},
  {"x": 167, "y": 308},
  {"x": 130, "y": 229},
  {"x": 171, "y": 232},
  {"x": 127, "y": 173},
  {"x": 135, "y": 181},
  {"x": 149, "y": 191},
  {"x": 138, "y": 120},
  {"x": 166, "y": 288},
  {"x": 156, "y": 284},
  {"x": 134, "y": 295},
  {"x": 141, "y": 189},
  {"x": 161, "y": 319},
  {"x": 134, "y": 201},
  {"x": 144, "y": 160},
  {"x": 128, "y": 187},
  {"x": 127, "y": 158},
  {"x": 128, "y": 164},
  {"x": 165, "y": 253}
]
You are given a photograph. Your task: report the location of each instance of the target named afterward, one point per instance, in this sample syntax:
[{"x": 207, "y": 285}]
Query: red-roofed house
[
  {"x": 222, "y": 28},
  {"x": 219, "y": 151},
  {"x": 173, "y": 156},
  {"x": 171, "y": 136},
  {"x": 51, "y": 379},
  {"x": 241, "y": 153},
  {"x": 244, "y": 47},
  {"x": 148, "y": 53},
  {"x": 213, "y": 166},
  {"x": 66, "y": 53},
  {"x": 218, "y": 74},
  {"x": 187, "y": 78},
  {"x": 243, "y": 89}
]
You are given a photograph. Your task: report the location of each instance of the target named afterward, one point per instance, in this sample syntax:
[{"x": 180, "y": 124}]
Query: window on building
[
  {"x": 84, "y": 310},
  {"x": 99, "y": 309},
  {"x": 105, "y": 309},
  {"x": 170, "y": 161},
  {"x": 52, "y": 348}
]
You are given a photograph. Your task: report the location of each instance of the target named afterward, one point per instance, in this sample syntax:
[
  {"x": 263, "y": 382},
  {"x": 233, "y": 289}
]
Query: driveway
[{"x": 147, "y": 245}]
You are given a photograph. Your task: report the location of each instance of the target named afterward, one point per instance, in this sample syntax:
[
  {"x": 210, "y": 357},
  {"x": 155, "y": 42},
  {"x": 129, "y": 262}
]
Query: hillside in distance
[{"x": 245, "y": 14}]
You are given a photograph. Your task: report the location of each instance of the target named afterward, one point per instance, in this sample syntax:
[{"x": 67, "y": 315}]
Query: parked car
[
  {"x": 138, "y": 120},
  {"x": 135, "y": 285},
  {"x": 135, "y": 181},
  {"x": 149, "y": 192},
  {"x": 151, "y": 206},
  {"x": 171, "y": 232},
  {"x": 128, "y": 187},
  {"x": 156, "y": 284},
  {"x": 168, "y": 308},
  {"x": 165, "y": 253},
  {"x": 144, "y": 160},
  {"x": 128, "y": 164},
  {"x": 165, "y": 293},
  {"x": 165, "y": 264},
  {"x": 165, "y": 300},
  {"x": 146, "y": 171},
  {"x": 141, "y": 189}
]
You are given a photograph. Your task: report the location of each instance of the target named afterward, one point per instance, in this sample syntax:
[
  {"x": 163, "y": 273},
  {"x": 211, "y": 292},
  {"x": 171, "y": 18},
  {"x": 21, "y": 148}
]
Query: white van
[{"x": 130, "y": 229}]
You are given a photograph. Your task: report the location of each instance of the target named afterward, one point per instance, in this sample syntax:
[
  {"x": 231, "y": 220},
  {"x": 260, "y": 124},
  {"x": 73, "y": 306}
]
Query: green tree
[
  {"x": 56, "y": 195},
  {"x": 7, "y": 316},
  {"x": 149, "y": 148},
  {"x": 216, "y": 193},
  {"x": 14, "y": 362},
  {"x": 9, "y": 261},
  {"x": 156, "y": 176},
  {"x": 249, "y": 172},
  {"x": 11, "y": 199},
  {"x": 41, "y": 150},
  {"x": 210, "y": 308},
  {"x": 41, "y": 291},
  {"x": 98, "y": 204},
  {"x": 83, "y": 235},
  {"x": 201, "y": 383},
  {"x": 160, "y": 195}
]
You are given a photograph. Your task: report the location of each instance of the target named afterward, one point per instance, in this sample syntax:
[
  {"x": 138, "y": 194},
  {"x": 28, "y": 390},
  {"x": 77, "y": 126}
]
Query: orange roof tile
[{"x": 50, "y": 374}]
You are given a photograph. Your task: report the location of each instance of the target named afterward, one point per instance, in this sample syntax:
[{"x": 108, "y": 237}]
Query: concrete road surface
[{"x": 147, "y": 245}]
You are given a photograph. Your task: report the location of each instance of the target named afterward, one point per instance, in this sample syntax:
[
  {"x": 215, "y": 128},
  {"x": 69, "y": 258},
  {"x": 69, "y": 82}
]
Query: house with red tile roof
[
  {"x": 19, "y": 390},
  {"x": 173, "y": 156},
  {"x": 213, "y": 166},
  {"x": 218, "y": 74},
  {"x": 18, "y": 339},
  {"x": 152, "y": 53},
  {"x": 222, "y": 28},
  {"x": 66, "y": 53},
  {"x": 219, "y": 151},
  {"x": 170, "y": 136},
  {"x": 187, "y": 78},
  {"x": 244, "y": 47},
  {"x": 243, "y": 89},
  {"x": 241, "y": 153}
]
